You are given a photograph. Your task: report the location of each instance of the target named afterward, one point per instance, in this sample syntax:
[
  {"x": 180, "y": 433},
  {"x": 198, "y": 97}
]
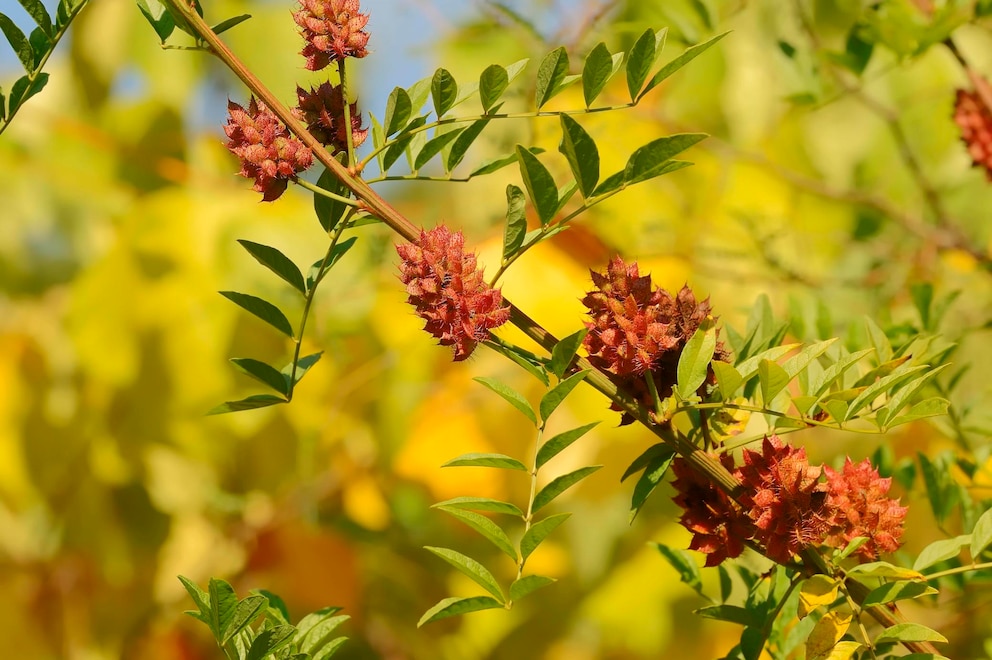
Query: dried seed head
[
  {"x": 856, "y": 499},
  {"x": 333, "y": 30},
  {"x": 322, "y": 109},
  {"x": 447, "y": 288},
  {"x": 974, "y": 118},
  {"x": 269, "y": 153}
]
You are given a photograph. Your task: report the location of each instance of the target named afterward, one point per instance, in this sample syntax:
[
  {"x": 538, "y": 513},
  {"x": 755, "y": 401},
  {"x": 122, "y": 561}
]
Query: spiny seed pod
[
  {"x": 856, "y": 499},
  {"x": 323, "y": 111},
  {"x": 447, "y": 288},
  {"x": 637, "y": 329},
  {"x": 718, "y": 526},
  {"x": 268, "y": 152},
  {"x": 333, "y": 30},
  {"x": 974, "y": 118},
  {"x": 787, "y": 500}
]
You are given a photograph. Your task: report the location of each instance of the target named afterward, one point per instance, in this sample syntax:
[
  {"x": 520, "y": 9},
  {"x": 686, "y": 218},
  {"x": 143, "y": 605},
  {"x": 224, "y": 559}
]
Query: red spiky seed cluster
[
  {"x": 856, "y": 498},
  {"x": 785, "y": 507},
  {"x": 447, "y": 288},
  {"x": 322, "y": 109},
  {"x": 718, "y": 527},
  {"x": 638, "y": 329},
  {"x": 974, "y": 118},
  {"x": 787, "y": 500},
  {"x": 333, "y": 30},
  {"x": 269, "y": 153}
]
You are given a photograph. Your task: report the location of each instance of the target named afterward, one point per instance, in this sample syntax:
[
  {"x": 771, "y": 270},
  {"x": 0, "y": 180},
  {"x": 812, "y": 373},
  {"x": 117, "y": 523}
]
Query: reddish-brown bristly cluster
[
  {"x": 333, "y": 30},
  {"x": 447, "y": 288},
  {"x": 323, "y": 111},
  {"x": 974, "y": 118},
  {"x": 785, "y": 507},
  {"x": 718, "y": 528},
  {"x": 857, "y": 497},
  {"x": 637, "y": 329},
  {"x": 269, "y": 153}
]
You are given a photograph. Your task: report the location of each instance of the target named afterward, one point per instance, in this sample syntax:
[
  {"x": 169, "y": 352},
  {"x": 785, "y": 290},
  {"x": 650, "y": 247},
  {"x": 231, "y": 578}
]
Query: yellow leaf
[
  {"x": 843, "y": 651},
  {"x": 817, "y": 591},
  {"x": 826, "y": 634}
]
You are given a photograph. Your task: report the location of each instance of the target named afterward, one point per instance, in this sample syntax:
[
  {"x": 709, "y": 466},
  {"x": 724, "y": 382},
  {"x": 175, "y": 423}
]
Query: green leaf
[
  {"x": 941, "y": 550},
  {"x": 398, "y": 110},
  {"x": 492, "y": 83},
  {"x": 551, "y": 75},
  {"x": 3, "y": 107},
  {"x": 599, "y": 67},
  {"x": 910, "y": 632},
  {"x": 476, "y": 459},
  {"x": 269, "y": 641},
  {"x": 687, "y": 56},
  {"x": 229, "y": 23},
  {"x": 902, "y": 396},
  {"x": 329, "y": 211},
  {"x": 527, "y": 584},
  {"x": 538, "y": 532},
  {"x": 223, "y": 603},
  {"x": 932, "y": 407},
  {"x": 881, "y": 385},
  {"x": 444, "y": 91},
  {"x": 200, "y": 597},
  {"x": 455, "y": 606},
  {"x": 684, "y": 563},
  {"x": 499, "y": 163},
  {"x": 695, "y": 359},
  {"x": 525, "y": 359},
  {"x": 652, "y": 159},
  {"x": 880, "y": 342},
  {"x": 262, "y": 309},
  {"x": 740, "y": 615},
  {"x": 23, "y": 89},
  {"x": 560, "y": 442},
  {"x": 893, "y": 591},
  {"x": 516, "y": 221},
  {"x": 653, "y": 474},
  {"x": 645, "y": 459},
  {"x": 564, "y": 352},
  {"x": 263, "y": 373},
  {"x": 838, "y": 369},
  {"x": 473, "y": 569},
  {"x": 581, "y": 153},
  {"x": 159, "y": 18},
  {"x": 480, "y": 504},
  {"x": 559, "y": 485},
  {"x": 728, "y": 378},
  {"x": 39, "y": 14},
  {"x": 540, "y": 185},
  {"x": 315, "y": 274},
  {"x": 801, "y": 361},
  {"x": 302, "y": 367},
  {"x": 463, "y": 142},
  {"x": 314, "y": 631},
  {"x": 20, "y": 44},
  {"x": 513, "y": 397},
  {"x": 553, "y": 398},
  {"x": 277, "y": 262},
  {"x": 884, "y": 570},
  {"x": 610, "y": 184},
  {"x": 981, "y": 535},
  {"x": 249, "y": 403},
  {"x": 484, "y": 526},
  {"x": 773, "y": 380},
  {"x": 247, "y": 610},
  {"x": 641, "y": 58},
  {"x": 434, "y": 147}
]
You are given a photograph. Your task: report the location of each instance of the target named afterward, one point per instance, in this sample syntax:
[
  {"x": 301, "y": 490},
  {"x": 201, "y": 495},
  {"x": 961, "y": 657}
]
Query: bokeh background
[{"x": 119, "y": 211}]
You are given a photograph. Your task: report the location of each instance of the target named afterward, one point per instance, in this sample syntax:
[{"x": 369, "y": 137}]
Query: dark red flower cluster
[
  {"x": 333, "y": 30},
  {"x": 785, "y": 507},
  {"x": 323, "y": 111},
  {"x": 638, "y": 329},
  {"x": 447, "y": 288},
  {"x": 974, "y": 118},
  {"x": 856, "y": 496},
  {"x": 269, "y": 153},
  {"x": 718, "y": 527}
]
